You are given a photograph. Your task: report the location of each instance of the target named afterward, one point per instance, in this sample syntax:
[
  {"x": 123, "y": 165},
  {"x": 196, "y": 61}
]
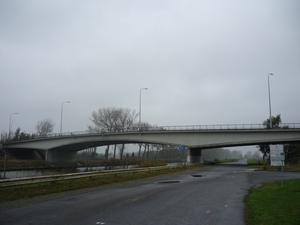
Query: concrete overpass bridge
[{"x": 62, "y": 148}]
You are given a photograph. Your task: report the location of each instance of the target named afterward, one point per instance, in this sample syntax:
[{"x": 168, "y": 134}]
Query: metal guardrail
[
  {"x": 52, "y": 178},
  {"x": 173, "y": 128},
  {"x": 229, "y": 127}
]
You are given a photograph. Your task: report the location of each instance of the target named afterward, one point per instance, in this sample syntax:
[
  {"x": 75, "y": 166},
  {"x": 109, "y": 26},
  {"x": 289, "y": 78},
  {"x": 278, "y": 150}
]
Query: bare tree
[
  {"x": 158, "y": 148},
  {"x": 113, "y": 120},
  {"x": 140, "y": 148},
  {"x": 106, "y": 152},
  {"x": 144, "y": 127},
  {"x": 121, "y": 150},
  {"x": 44, "y": 127}
]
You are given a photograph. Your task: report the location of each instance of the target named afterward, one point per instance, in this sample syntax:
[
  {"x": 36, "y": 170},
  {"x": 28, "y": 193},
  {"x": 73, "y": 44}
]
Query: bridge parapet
[{"x": 230, "y": 127}]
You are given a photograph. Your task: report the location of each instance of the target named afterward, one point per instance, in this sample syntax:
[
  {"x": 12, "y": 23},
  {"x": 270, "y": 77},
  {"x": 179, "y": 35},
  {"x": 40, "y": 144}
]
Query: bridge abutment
[
  {"x": 194, "y": 155},
  {"x": 61, "y": 157}
]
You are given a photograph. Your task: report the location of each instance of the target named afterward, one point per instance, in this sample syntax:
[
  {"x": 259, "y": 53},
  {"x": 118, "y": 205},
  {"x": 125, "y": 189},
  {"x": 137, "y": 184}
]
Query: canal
[{"x": 12, "y": 174}]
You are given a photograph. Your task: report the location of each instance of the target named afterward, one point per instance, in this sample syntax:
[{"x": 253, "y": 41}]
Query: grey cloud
[{"x": 204, "y": 62}]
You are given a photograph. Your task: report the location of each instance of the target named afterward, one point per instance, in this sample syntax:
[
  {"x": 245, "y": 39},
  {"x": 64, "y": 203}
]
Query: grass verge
[
  {"x": 32, "y": 190},
  {"x": 271, "y": 204},
  {"x": 14, "y": 164},
  {"x": 254, "y": 162},
  {"x": 258, "y": 164}
]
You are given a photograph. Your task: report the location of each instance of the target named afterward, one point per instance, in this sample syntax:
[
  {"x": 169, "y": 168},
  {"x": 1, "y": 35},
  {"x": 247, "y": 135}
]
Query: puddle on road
[{"x": 197, "y": 175}]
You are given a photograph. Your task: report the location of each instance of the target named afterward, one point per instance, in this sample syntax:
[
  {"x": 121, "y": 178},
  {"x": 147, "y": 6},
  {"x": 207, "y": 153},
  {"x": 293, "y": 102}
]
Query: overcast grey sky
[{"x": 203, "y": 62}]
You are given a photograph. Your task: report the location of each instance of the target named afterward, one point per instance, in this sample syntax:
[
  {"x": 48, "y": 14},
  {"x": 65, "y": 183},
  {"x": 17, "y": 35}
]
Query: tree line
[
  {"x": 292, "y": 151},
  {"x": 43, "y": 128}
]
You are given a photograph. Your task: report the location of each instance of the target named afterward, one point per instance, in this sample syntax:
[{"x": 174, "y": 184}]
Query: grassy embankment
[
  {"x": 17, "y": 164},
  {"x": 14, "y": 164},
  {"x": 254, "y": 163},
  {"x": 272, "y": 204}
]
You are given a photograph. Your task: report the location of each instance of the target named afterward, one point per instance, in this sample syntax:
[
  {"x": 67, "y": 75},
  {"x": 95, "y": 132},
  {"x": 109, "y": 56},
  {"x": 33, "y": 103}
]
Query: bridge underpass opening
[
  {"x": 61, "y": 157},
  {"x": 194, "y": 155}
]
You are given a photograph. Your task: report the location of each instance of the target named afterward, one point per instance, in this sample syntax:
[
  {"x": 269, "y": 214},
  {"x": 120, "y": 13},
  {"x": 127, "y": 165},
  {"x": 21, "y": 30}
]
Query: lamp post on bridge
[
  {"x": 8, "y": 138},
  {"x": 61, "y": 116},
  {"x": 9, "y": 126},
  {"x": 270, "y": 100},
  {"x": 140, "y": 111}
]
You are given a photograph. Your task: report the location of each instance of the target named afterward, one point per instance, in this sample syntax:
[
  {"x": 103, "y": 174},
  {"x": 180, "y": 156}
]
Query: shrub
[{"x": 151, "y": 163}]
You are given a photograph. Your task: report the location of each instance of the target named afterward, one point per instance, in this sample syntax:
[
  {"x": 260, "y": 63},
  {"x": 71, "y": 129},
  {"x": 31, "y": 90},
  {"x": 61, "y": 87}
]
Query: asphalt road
[{"x": 214, "y": 196}]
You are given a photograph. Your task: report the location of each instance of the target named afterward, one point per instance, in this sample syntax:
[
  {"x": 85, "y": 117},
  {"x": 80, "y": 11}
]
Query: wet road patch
[{"x": 168, "y": 182}]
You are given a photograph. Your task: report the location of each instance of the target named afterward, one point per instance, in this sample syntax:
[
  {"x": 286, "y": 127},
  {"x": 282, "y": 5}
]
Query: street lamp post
[
  {"x": 61, "y": 116},
  {"x": 140, "y": 112},
  {"x": 8, "y": 138},
  {"x": 270, "y": 99},
  {"x": 9, "y": 126}
]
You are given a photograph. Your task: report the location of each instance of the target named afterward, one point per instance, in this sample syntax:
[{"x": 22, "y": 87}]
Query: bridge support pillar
[
  {"x": 61, "y": 157},
  {"x": 194, "y": 155}
]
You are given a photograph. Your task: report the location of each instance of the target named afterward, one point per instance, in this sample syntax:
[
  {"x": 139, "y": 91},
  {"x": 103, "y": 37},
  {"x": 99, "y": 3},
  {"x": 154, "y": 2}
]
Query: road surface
[{"x": 213, "y": 195}]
